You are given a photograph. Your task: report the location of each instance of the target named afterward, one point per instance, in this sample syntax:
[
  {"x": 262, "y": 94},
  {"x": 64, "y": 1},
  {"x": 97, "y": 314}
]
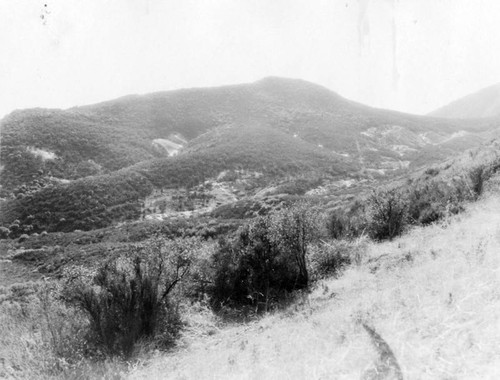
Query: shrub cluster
[
  {"x": 129, "y": 298},
  {"x": 328, "y": 258},
  {"x": 387, "y": 212},
  {"x": 265, "y": 261}
]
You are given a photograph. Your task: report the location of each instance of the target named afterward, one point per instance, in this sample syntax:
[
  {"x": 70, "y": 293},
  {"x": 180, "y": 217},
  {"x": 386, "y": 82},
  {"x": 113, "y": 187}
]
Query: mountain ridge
[{"x": 483, "y": 103}]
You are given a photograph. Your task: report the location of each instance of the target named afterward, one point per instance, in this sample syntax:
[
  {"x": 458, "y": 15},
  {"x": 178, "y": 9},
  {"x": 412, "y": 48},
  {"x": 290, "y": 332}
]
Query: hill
[
  {"x": 92, "y": 166},
  {"x": 431, "y": 296},
  {"x": 481, "y": 104},
  {"x": 101, "y": 138},
  {"x": 412, "y": 304}
]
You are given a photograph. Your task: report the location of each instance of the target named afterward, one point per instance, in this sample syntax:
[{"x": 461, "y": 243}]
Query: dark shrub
[
  {"x": 265, "y": 261},
  {"x": 23, "y": 237},
  {"x": 337, "y": 225},
  {"x": 426, "y": 203},
  {"x": 477, "y": 177},
  {"x": 327, "y": 259},
  {"x": 4, "y": 232},
  {"x": 293, "y": 229},
  {"x": 128, "y": 299},
  {"x": 347, "y": 223},
  {"x": 432, "y": 172},
  {"x": 387, "y": 214}
]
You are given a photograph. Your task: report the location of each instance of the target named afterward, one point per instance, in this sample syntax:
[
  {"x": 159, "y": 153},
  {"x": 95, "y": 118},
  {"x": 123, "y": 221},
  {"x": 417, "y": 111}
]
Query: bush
[
  {"x": 266, "y": 260},
  {"x": 4, "y": 232},
  {"x": 477, "y": 177},
  {"x": 293, "y": 229},
  {"x": 432, "y": 172},
  {"x": 387, "y": 214},
  {"x": 23, "y": 237},
  {"x": 347, "y": 223},
  {"x": 328, "y": 259},
  {"x": 129, "y": 299},
  {"x": 434, "y": 200}
]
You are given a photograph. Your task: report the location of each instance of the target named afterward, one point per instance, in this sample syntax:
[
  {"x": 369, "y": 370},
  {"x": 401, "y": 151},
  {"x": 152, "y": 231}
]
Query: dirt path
[{"x": 386, "y": 367}]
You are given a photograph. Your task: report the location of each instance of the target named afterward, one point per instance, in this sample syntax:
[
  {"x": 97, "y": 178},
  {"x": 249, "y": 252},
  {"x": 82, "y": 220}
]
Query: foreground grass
[{"x": 433, "y": 295}]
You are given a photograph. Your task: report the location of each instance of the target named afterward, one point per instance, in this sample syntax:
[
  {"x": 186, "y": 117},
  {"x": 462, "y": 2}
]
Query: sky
[{"x": 407, "y": 55}]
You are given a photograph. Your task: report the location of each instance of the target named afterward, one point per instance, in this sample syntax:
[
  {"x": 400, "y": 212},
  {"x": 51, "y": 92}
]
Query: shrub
[
  {"x": 4, "y": 232},
  {"x": 387, "y": 214},
  {"x": 432, "y": 172},
  {"x": 477, "y": 177},
  {"x": 426, "y": 204},
  {"x": 14, "y": 229},
  {"x": 338, "y": 225},
  {"x": 23, "y": 237},
  {"x": 293, "y": 229},
  {"x": 327, "y": 259},
  {"x": 347, "y": 223},
  {"x": 266, "y": 260},
  {"x": 129, "y": 300}
]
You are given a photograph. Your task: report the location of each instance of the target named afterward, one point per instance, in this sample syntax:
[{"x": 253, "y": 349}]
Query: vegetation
[
  {"x": 99, "y": 201},
  {"x": 113, "y": 291},
  {"x": 437, "y": 194},
  {"x": 138, "y": 292},
  {"x": 129, "y": 298},
  {"x": 282, "y": 128},
  {"x": 432, "y": 295},
  {"x": 387, "y": 214},
  {"x": 266, "y": 261},
  {"x": 37, "y": 144}
]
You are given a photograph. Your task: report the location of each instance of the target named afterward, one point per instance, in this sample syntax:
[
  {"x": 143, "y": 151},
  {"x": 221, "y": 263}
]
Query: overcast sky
[{"x": 407, "y": 55}]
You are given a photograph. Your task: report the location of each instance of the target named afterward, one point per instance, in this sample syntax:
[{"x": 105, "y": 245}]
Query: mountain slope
[
  {"x": 431, "y": 295},
  {"x": 91, "y": 166},
  {"x": 97, "y": 201},
  {"x": 481, "y": 104},
  {"x": 109, "y": 136}
]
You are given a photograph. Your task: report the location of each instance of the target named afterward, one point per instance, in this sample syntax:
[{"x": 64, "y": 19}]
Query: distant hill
[
  {"x": 92, "y": 166},
  {"x": 481, "y": 104}
]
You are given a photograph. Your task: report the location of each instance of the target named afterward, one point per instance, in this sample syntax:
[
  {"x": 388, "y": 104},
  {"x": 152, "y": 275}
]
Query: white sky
[{"x": 408, "y": 55}]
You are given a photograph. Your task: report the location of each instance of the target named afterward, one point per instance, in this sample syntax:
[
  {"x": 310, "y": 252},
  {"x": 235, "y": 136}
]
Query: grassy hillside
[{"x": 432, "y": 295}]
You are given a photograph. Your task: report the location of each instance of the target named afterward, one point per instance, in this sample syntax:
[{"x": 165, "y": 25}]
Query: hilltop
[{"x": 484, "y": 103}]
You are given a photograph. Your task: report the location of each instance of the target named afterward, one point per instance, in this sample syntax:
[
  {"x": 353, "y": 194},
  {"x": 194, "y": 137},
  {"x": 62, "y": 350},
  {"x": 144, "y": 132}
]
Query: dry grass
[
  {"x": 432, "y": 295},
  {"x": 41, "y": 339}
]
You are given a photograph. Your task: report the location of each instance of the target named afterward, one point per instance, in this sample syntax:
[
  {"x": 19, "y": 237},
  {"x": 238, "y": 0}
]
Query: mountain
[
  {"x": 481, "y": 104},
  {"x": 178, "y": 151}
]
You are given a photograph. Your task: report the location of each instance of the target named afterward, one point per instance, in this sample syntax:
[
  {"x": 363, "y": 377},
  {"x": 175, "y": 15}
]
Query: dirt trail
[{"x": 386, "y": 367}]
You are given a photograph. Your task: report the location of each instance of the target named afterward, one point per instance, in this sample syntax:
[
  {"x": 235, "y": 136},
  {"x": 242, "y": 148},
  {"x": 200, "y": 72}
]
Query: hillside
[
  {"x": 431, "y": 295},
  {"x": 421, "y": 302},
  {"x": 105, "y": 137},
  {"x": 481, "y": 104},
  {"x": 93, "y": 166}
]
